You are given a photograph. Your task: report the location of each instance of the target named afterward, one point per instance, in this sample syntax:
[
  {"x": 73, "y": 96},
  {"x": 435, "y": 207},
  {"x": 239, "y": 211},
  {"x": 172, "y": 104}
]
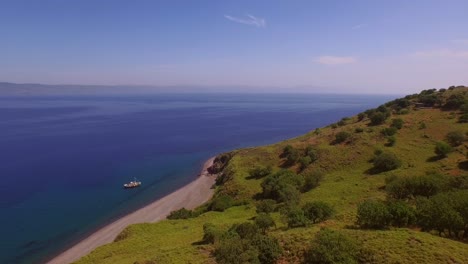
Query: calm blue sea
[{"x": 63, "y": 160}]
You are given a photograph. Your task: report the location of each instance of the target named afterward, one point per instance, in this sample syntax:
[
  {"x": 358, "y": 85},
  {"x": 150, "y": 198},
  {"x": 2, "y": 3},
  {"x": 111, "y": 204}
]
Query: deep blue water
[{"x": 63, "y": 160}]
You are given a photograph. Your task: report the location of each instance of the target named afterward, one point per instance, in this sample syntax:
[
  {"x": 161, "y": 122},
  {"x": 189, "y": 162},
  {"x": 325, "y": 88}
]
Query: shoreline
[{"x": 189, "y": 196}]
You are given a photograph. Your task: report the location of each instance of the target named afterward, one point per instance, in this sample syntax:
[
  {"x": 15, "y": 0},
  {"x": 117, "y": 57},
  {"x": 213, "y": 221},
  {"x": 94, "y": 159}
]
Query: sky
[{"x": 305, "y": 46}]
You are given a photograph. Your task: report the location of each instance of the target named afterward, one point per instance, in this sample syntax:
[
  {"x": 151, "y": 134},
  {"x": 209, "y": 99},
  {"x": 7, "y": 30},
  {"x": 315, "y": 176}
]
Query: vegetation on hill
[{"x": 389, "y": 185}]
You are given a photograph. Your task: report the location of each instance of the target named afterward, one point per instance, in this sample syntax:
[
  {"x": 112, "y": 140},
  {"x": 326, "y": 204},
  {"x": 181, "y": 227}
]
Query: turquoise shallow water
[{"x": 63, "y": 160}]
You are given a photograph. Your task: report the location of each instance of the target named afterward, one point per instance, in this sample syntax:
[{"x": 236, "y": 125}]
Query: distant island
[{"x": 389, "y": 185}]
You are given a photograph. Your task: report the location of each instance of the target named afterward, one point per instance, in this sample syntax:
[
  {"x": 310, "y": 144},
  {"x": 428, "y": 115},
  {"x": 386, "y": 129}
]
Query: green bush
[
  {"x": 211, "y": 233},
  {"x": 397, "y": 123},
  {"x": 377, "y": 118},
  {"x": 361, "y": 116},
  {"x": 373, "y": 214},
  {"x": 359, "y": 130},
  {"x": 294, "y": 217},
  {"x": 269, "y": 250},
  {"x": 311, "y": 180},
  {"x": 329, "y": 247},
  {"x": 246, "y": 230},
  {"x": 304, "y": 162},
  {"x": 264, "y": 222},
  {"x": 388, "y": 131},
  {"x": 260, "y": 172},
  {"x": 181, "y": 214},
  {"x": 442, "y": 149},
  {"x": 317, "y": 211},
  {"x": 386, "y": 161},
  {"x": 401, "y": 214},
  {"x": 221, "y": 203},
  {"x": 266, "y": 206},
  {"x": 410, "y": 187},
  {"x": 391, "y": 141},
  {"x": 235, "y": 250},
  {"x": 463, "y": 118},
  {"x": 446, "y": 213},
  {"x": 455, "y": 138},
  {"x": 282, "y": 186},
  {"x": 312, "y": 153},
  {"x": 341, "y": 137}
]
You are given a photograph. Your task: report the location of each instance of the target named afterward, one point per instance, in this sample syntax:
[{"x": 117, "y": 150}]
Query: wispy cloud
[
  {"x": 442, "y": 53},
  {"x": 335, "y": 60},
  {"x": 359, "y": 26},
  {"x": 248, "y": 20},
  {"x": 460, "y": 41}
]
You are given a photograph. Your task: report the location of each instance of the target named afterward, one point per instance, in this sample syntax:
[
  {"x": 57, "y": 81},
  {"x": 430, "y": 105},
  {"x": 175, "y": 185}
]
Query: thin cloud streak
[
  {"x": 335, "y": 60},
  {"x": 249, "y": 20},
  {"x": 442, "y": 53},
  {"x": 356, "y": 27}
]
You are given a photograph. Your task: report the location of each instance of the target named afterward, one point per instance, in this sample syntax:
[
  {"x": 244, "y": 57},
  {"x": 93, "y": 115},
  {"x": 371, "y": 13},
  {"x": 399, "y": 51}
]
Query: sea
[{"x": 64, "y": 159}]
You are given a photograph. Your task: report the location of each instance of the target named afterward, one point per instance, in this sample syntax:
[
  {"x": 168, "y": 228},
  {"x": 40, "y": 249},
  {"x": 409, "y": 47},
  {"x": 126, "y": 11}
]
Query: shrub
[
  {"x": 334, "y": 126},
  {"x": 311, "y": 152},
  {"x": 385, "y": 162},
  {"x": 269, "y": 250},
  {"x": 361, "y": 116},
  {"x": 304, "y": 162},
  {"x": 295, "y": 217},
  {"x": 373, "y": 214},
  {"x": 330, "y": 247},
  {"x": 211, "y": 233},
  {"x": 409, "y": 187},
  {"x": 291, "y": 154},
  {"x": 401, "y": 214},
  {"x": 442, "y": 149},
  {"x": 245, "y": 230},
  {"x": 260, "y": 172},
  {"x": 359, "y": 130},
  {"x": 221, "y": 203},
  {"x": 341, "y": 137},
  {"x": 391, "y": 141},
  {"x": 312, "y": 180},
  {"x": 422, "y": 125},
  {"x": 397, "y": 123},
  {"x": 463, "y": 118},
  {"x": 180, "y": 214},
  {"x": 388, "y": 131},
  {"x": 403, "y": 111},
  {"x": 317, "y": 211},
  {"x": 445, "y": 212},
  {"x": 266, "y": 206},
  {"x": 377, "y": 118},
  {"x": 264, "y": 222},
  {"x": 455, "y": 138},
  {"x": 282, "y": 186},
  {"x": 235, "y": 250}
]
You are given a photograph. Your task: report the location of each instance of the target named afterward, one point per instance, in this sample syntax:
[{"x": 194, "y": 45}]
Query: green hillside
[{"x": 371, "y": 187}]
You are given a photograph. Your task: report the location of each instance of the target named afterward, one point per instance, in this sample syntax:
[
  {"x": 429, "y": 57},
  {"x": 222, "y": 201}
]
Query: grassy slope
[{"x": 346, "y": 184}]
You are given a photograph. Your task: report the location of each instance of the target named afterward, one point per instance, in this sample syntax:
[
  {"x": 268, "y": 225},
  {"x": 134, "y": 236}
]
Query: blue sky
[{"x": 337, "y": 46}]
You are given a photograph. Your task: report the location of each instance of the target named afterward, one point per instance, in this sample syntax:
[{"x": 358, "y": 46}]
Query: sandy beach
[{"x": 189, "y": 196}]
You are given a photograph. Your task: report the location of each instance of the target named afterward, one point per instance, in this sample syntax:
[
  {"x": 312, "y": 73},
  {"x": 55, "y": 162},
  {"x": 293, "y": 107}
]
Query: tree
[
  {"x": 211, "y": 233},
  {"x": 318, "y": 211},
  {"x": 235, "y": 250},
  {"x": 388, "y": 131},
  {"x": 329, "y": 247},
  {"x": 311, "y": 180},
  {"x": 294, "y": 217},
  {"x": 455, "y": 138},
  {"x": 373, "y": 214},
  {"x": 442, "y": 149},
  {"x": 180, "y": 214},
  {"x": 341, "y": 137},
  {"x": 401, "y": 213},
  {"x": 377, "y": 118},
  {"x": 391, "y": 141},
  {"x": 361, "y": 116},
  {"x": 269, "y": 250},
  {"x": 305, "y": 161},
  {"x": 264, "y": 222},
  {"x": 221, "y": 203},
  {"x": 246, "y": 230},
  {"x": 266, "y": 206},
  {"x": 260, "y": 172},
  {"x": 386, "y": 161},
  {"x": 397, "y": 123}
]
